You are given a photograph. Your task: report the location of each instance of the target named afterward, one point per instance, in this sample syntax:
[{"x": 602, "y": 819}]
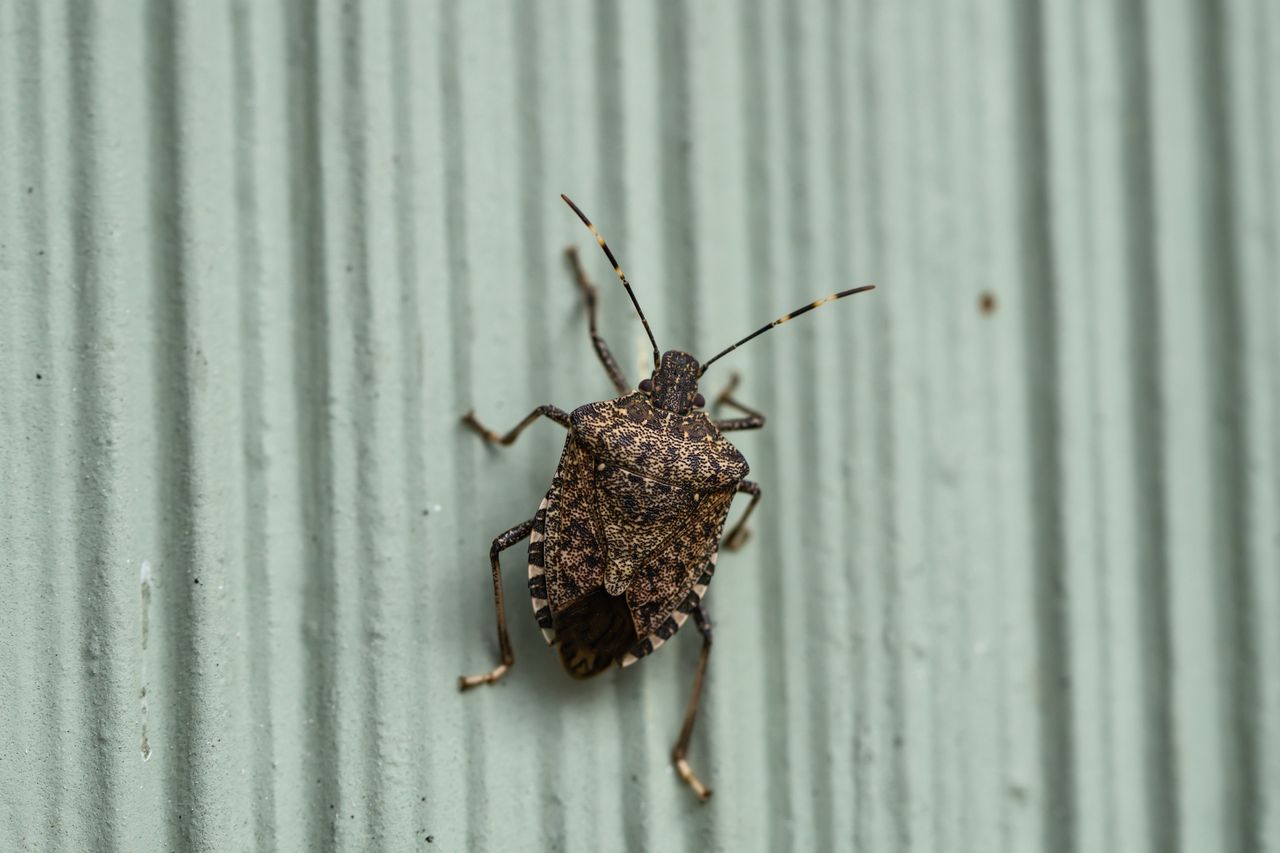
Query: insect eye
[
  {"x": 646, "y": 386},
  {"x": 699, "y": 401}
]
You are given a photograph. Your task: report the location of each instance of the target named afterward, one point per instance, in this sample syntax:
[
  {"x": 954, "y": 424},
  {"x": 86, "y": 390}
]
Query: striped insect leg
[
  {"x": 681, "y": 748},
  {"x": 752, "y": 419},
  {"x": 502, "y": 543},
  {"x": 553, "y": 413},
  {"x": 738, "y": 535},
  {"x": 602, "y": 349}
]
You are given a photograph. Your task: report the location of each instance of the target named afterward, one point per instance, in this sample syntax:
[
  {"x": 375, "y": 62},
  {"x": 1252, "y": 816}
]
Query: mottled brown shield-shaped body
[{"x": 625, "y": 541}]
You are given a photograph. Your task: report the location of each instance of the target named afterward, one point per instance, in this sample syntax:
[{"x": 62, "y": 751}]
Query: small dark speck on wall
[
  {"x": 38, "y": 376},
  {"x": 987, "y": 303},
  {"x": 195, "y": 580}
]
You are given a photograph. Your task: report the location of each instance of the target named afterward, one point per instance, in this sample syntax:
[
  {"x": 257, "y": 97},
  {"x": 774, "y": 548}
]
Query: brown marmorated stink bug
[{"x": 624, "y": 544}]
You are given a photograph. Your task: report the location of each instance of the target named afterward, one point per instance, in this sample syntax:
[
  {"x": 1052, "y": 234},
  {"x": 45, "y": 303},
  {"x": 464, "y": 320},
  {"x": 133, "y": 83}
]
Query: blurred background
[{"x": 1015, "y": 580}]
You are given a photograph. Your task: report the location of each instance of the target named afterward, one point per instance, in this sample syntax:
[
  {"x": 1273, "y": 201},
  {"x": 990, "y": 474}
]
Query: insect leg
[
  {"x": 738, "y": 535},
  {"x": 695, "y": 697},
  {"x": 560, "y": 416},
  {"x": 502, "y": 543},
  {"x": 602, "y": 349},
  {"x": 754, "y": 419}
]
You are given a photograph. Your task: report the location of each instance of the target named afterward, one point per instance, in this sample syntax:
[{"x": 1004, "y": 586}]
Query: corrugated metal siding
[{"x": 1015, "y": 584}]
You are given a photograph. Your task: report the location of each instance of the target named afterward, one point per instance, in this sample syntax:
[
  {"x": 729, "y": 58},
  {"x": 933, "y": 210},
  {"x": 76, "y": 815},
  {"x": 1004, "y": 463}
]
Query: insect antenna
[
  {"x": 784, "y": 318},
  {"x": 618, "y": 270}
]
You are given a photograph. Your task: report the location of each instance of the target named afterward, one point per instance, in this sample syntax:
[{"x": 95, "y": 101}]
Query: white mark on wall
[{"x": 145, "y": 582}]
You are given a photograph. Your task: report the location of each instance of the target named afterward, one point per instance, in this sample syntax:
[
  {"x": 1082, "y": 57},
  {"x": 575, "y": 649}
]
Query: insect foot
[
  {"x": 737, "y": 539},
  {"x": 466, "y": 682},
  {"x": 469, "y": 419},
  {"x": 686, "y": 773}
]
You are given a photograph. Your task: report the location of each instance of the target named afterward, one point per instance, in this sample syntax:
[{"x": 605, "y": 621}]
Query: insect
[{"x": 624, "y": 544}]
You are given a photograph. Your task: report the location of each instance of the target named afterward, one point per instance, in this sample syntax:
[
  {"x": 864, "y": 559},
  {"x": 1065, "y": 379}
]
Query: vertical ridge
[
  {"x": 838, "y": 236},
  {"x": 1078, "y": 271},
  {"x": 365, "y": 378},
  {"x": 1089, "y": 568},
  {"x": 760, "y": 226},
  {"x": 1229, "y": 440},
  {"x": 1266, "y": 36},
  {"x": 1153, "y": 615},
  {"x": 308, "y": 239},
  {"x": 867, "y": 751},
  {"x": 944, "y": 627},
  {"x": 94, "y": 504},
  {"x": 678, "y": 237},
  {"x": 803, "y": 213},
  {"x": 175, "y": 493},
  {"x": 413, "y": 427},
  {"x": 257, "y": 577},
  {"x": 898, "y": 797},
  {"x": 979, "y": 815},
  {"x": 453, "y": 147},
  {"x": 49, "y": 491},
  {"x": 1269, "y": 38},
  {"x": 612, "y": 112},
  {"x": 1051, "y": 603}
]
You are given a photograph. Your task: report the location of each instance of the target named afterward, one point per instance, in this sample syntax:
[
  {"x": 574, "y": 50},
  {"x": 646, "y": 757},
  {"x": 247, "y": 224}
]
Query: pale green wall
[{"x": 1015, "y": 583}]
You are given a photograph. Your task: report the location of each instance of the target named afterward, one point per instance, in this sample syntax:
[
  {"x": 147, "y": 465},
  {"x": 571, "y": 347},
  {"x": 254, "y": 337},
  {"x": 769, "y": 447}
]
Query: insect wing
[
  {"x": 572, "y": 557},
  {"x": 671, "y": 571}
]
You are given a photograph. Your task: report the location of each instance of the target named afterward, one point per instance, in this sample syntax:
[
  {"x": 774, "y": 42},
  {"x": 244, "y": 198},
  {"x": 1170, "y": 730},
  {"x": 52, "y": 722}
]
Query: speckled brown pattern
[
  {"x": 634, "y": 513},
  {"x": 673, "y": 568},
  {"x": 673, "y": 623}
]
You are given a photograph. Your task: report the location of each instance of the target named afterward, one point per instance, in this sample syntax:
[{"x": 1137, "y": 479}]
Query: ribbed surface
[{"x": 1015, "y": 582}]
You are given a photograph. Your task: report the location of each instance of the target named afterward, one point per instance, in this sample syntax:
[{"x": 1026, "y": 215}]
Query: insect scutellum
[{"x": 673, "y": 385}]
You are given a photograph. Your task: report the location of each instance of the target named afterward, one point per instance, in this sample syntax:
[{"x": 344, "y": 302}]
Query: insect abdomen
[{"x": 594, "y": 633}]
